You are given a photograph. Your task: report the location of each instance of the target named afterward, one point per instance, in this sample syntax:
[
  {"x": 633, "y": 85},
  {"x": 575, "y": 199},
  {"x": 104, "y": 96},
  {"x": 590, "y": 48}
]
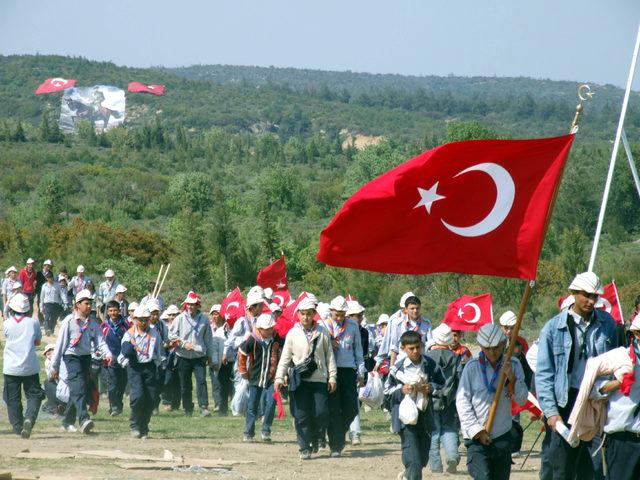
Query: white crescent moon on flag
[
  {"x": 606, "y": 304},
  {"x": 506, "y": 191},
  {"x": 476, "y": 312},
  {"x": 281, "y": 302},
  {"x": 231, "y": 304},
  {"x": 58, "y": 82}
]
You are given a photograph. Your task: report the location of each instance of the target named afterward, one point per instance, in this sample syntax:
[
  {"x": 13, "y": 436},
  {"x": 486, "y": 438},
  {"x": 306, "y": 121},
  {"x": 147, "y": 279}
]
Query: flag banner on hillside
[
  {"x": 274, "y": 276},
  {"x": 609, "y": 301},
  {"x": 477, "y": 207},
  {"x": 101, "y": 105},
  {"x": 469, "y": 313},
  {"x": 53, "y": 85},
  {"x": 137, "y": 87},
  {"x": 232, "y": 307}
]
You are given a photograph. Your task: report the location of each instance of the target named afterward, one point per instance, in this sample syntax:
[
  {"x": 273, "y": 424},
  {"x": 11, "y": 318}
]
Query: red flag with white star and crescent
[
  {"x": 137, "y": 87},
  {"x": 469, "y": 313},
  {"x": 478, "y": 207},
  {"x": 53, "y": 85},
  {"x": 274, "y": 276}
]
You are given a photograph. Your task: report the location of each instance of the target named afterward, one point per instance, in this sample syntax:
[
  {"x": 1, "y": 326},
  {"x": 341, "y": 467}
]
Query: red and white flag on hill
[
  {"x": 52, "y": 85},
  {"x": 137, "y": 87},
  {"x": 274, "y": 276},
  {"x": 469, "y": 313},
  {"x": 478, "y": 207},
  {"x": 232, "y": 307}
]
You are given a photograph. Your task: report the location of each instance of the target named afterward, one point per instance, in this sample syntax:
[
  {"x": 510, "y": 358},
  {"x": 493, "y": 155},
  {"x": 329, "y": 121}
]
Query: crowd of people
[{"x": 435, "y": 390}]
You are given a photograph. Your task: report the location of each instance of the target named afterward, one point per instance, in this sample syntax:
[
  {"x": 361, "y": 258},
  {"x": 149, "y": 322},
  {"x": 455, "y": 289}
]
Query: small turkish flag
[
  {"x": 137, "y": 87},
  {"x": 531, "y": 405},
  {"x": 609, "y": 301},
  {"x": 478, "y": 207},
  {"x": 274, "y": 276},
  {"x": 52, "y": 85},
  {"x": 232, "y": 307},
  {"x": 469, "y": 313},
  {"x": 288, "y": 319}
]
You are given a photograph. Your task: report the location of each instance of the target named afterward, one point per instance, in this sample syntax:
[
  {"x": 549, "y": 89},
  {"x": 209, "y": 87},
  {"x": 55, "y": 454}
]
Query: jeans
[
  {"x": 415, "y": 443},
  {"x": 489, "y": 462},
  {"x": 256, "y": 393},
  {"x": 13, "y": 398},
  {"x": 225, "y": 379},
  {"x": 51, "y": 313},
  {"x": 117, "y": 381},
  {"x": 310, "y": 411},
  {"x": 445, "y": 433},
  {"x": 197, "y": 366},
  {"x": 215, "y": 386},
  {"x": 343, "y": 405},
  {"x": 143, "y": 379},
  {"x": 171, "y": 384},
  {"x": 622, "y": 453},
  {"x": 78, "y": 372}
]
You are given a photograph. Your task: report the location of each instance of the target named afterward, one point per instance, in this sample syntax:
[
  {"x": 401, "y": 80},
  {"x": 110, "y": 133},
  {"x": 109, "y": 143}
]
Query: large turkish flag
[
  {"x": 137, "y": 87},
  {"x": 52, "y": 85},
  {"x": 477, "y": 207},
  {"x": 274, "y": 276},
  {"x": 469, "y": 313}
]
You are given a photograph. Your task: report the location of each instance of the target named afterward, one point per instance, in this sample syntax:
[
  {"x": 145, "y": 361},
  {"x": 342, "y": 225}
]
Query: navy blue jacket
[{"x": 113, "y": 333}]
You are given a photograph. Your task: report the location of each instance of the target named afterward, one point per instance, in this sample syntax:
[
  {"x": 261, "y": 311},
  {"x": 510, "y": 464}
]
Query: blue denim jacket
[{"x": 554, "y": 349}]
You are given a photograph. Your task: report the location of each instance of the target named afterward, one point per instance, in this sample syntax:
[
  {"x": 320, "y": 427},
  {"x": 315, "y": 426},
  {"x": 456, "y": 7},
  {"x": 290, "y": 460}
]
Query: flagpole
[
  {"x": 614, "y": 153},
  {"x": 632, "y": 164},
  {"x": 584, "y": 93}
]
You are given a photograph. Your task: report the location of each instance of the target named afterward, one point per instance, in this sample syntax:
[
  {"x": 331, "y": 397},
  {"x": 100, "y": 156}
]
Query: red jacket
[{"x": 28, "y": 280}]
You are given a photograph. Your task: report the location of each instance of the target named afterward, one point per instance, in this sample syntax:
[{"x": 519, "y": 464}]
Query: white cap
[
  {"x": 404, "y": 297},
  {"x": 62, "y": 277},
  {"x": 339, "y": 304},
  {"x": 256, "y": 289},
  {"x": 268, "y": 293},
  {"x": 265, "y": 321},
  {"x": 11, "y": 269},
  {"x": 382, "y": 319},
  {"x": 80, "y": 269},
  {"x": 47, "y": 262},
  {"x": 172, "y": 310},
  {"x": 193, "y": 298},
  {"x": 443, "y": 335},
  {"x": 121, "y": 289},
  {"x": 490, "y": 335},
  {"x": 109, "y": 273},
  {"x": 312, "y": 297},
  {"x": 164, "y": 315},
  {"x": 567, "y": 302},
  {"x": 306, "y": 304},
  {"x": 30, "y": 260},
  {"x": 48, "y": 347},
  {"x": 132, "y": 306},
  {"x": 83, "y": 295},
  {"x": 274, "y": 307},
  {"x": 19, "y": 303},
  {"x": 215, "y": 308},
  {"x": 141, "y": 311},
  {"x": 508, "y": 319},
  {"x": 323, "y": 310},
  {"x": 354, "y": 308},
  {"x": 152, "y": 305},
  {"x": 255, "y": 297},
  {"x": 587, "y": 282},
  {"x": 635, "y": 323}
]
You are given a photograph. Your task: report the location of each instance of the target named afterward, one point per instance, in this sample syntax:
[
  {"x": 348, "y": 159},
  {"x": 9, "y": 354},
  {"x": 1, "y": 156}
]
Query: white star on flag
[{"x": 427, "y": 197}]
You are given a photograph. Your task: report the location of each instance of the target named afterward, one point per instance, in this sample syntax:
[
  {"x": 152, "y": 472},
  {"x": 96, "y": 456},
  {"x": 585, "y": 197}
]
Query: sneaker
[
  {"x": 355, "y": 439},
  {"x": 247, "y": 439},
  {"x": 69, "y": 428},
  {"x": 452, "y": 466},
  {"x": 87, "y": 426},
  {"x": 144, "y": 436},
  {"x": 266, "y": 437},
  {"x": 205, "y": 412},
  {"x": 156, "y": 411},
  {"x": 335, "y": 454},
  {"x": 167, "y": 408},
  {"x": 135, "y": 433},
  {"x": 401, "y": 476},
  {"x": 115, "y": 412},
  {"x": 323, "y": 443},
  {"x": 305, "y": 455},
  {"x": 216, "y": 408},
  {"x": 188, "y": 414},
  {"x": 26, "y": 428}
]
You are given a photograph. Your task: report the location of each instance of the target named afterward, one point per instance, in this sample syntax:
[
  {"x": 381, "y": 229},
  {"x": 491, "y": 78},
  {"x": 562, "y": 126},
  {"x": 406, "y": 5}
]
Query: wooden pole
[
  {"x": 530, "y": 284},
  {"x": 166, "y": 271},
  {"x": 155, "y": 287}
]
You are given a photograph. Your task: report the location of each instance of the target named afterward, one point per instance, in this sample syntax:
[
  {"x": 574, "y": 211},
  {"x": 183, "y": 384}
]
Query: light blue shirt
[
  {"x": 148, "y": 345},
  {"x": 20, "y": 357},
  {"x": 349, "y": 352},
  {"x": 51, "y": 293},
  {"x": 106, "y": 292},
  {"x": 241, "y": 329},
  {"x": 403, "y": 324},
  {"x": 87, "y": 334}
]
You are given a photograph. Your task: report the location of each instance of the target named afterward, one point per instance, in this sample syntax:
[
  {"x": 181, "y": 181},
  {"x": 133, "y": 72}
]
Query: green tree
[
  {"x": 372, "y": 162},
  {"x": 51, "y": 198},
  {"x": 18, "y": 134},
  {"x": 573, "y": 258},
  {"x": 192, "y": 191},
  {"x": 458, "y": 131},
  {"x": 191, "y": 260},
  {"x": 87, "y": 133}
]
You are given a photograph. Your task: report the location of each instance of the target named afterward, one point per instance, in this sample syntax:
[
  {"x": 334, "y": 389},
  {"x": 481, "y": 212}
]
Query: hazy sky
[{"x": 588, "y": 40}]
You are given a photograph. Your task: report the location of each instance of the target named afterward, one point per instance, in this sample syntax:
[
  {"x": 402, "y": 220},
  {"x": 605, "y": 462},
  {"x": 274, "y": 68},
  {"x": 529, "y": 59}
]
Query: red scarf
[{"x": 629, "y": 378}]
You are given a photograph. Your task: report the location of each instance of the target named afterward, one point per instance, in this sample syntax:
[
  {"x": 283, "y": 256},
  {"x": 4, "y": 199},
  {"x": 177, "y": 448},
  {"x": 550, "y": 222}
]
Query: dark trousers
[
  {"x": 415, "y": 442},
  {"x": 161, "y": 372},
  {"x": 171, "y": 387},
  {"x": 225, "y": 378},
  {"x": 50, "y": 388},
  {"x": 78, "y": 372},
  {"x": 255, "y": 395},
  {"x": 117, "y": 380},
  {"x": 489, "y": 462},
  {"x": 567, "y": 463},
  {"x": 197, "y": 366},
  {"x": 143, "y": 379},
  {"x": 343, "y": 405},
  {"x": 310, "y": 410},
  {"x": 12, "y": 394},
  {"x": 622, "y": 455},
  {"x": 51, "y": 314}
]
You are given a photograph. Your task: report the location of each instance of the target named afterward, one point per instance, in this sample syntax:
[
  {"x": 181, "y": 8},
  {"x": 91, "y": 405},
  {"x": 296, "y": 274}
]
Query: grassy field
[{"x": 214, "y": 438}]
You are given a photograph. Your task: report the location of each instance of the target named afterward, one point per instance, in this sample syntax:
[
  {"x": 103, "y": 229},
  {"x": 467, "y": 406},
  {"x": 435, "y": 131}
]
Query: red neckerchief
[
  {"x": 144, "y": 344},
  {"x": 311, "y": 332},
  {"x": 83, "y": 328},
  {"x": 341, "y": 330},
  {"x": 628, "y": 379},
  {"x": 408, "y": 325},
  {"x": 19, "y": 318}
]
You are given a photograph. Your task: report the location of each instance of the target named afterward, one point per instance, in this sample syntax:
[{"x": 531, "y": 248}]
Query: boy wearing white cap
[
  {"x": 347, "y": 349},
  {"x": 413, "y": 321},
  {"x": 106, "y": 292},
  {"x": 258, "y": 358},
  {"x": 79, "y": 281},
  {"x": 29, "y": 279},
  {"x": 47, "y": 266},
  {"x": 113, "y": 330},
  {"x": 20, "y": 365},
  {"x": 142, "y": 354},
  {"x": 566, "y": 342},
  {"x": 9, "y": 283},
  {"x": 308, "y": 350},
  {"x": 171, "y": 382},
  {"x": 78, "y": 338},
  {"x": 50, "y": 303},
  {"x": 218, "y": 330},
  {"x": 121, "y": 298},
  {"x": 392, "y": 324},
  {"x": 507, "y": 322},
  {"x": 190, "y": 334},
  {"x": 489, "y": 454}
]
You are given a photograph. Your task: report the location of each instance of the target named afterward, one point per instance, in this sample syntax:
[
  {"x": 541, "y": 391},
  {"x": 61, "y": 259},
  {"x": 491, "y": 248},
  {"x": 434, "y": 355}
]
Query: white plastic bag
[
  {"x": 240, "y": 398},
  {"x": 408, "y": 411},
  {"x": 372, "y": 394}
]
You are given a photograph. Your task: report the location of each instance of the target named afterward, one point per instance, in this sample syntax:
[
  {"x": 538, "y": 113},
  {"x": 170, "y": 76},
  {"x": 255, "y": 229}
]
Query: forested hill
[{"x": 225, "y": 172}]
